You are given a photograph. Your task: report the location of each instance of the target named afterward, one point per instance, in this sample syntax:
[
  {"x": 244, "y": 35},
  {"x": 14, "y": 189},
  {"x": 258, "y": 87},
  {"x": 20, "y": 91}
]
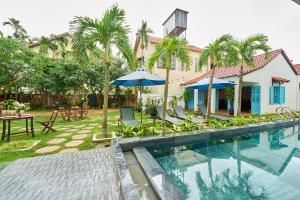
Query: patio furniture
[
  {"x": 169, "y": 119},
  {"x": 127, "y": 117},
  {"x": 182, "y": 115},
  {"x": 139, "y": 78},
  {"x": 7, "y": 120},
  {"x": 64, "y": 114},
  {"x": 216, "y": 116},
  {"x": 48, "y": 124}
]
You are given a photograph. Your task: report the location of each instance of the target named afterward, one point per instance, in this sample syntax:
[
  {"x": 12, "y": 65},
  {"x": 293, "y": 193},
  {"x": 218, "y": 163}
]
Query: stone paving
[
  {"x": 80, "y": 175},
  {"x": 62, "y": 142}
]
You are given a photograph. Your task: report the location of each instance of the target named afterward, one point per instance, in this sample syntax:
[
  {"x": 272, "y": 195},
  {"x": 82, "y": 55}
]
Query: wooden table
[{"x": 7, "y": 120}]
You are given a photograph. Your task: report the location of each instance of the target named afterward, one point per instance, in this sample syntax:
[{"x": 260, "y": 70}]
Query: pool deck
[{"x": 87, "y": 174}]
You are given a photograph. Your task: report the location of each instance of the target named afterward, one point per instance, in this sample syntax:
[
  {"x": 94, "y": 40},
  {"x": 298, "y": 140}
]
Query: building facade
[
  {"x": 178, "y": 75},
  {"x": 267, "y": 85}
]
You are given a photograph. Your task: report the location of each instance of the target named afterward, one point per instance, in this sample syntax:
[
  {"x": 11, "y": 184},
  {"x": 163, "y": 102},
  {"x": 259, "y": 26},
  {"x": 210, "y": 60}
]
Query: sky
[{"x": 207, "y": 19}]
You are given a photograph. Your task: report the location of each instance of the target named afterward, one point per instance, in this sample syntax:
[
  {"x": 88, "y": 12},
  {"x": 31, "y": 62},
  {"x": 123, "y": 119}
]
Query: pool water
[{"x": 259, "y": 165}]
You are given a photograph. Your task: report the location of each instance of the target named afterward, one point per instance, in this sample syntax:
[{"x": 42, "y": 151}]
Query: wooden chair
[
  {"x": 48, "y": 124},
  {"x": 64, "y": 114}
]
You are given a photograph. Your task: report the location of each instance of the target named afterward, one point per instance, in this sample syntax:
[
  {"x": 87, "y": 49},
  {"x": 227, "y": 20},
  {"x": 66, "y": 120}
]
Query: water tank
[
  {"x": 176, "y": 23},
  {"x": 297, "y": 1}
]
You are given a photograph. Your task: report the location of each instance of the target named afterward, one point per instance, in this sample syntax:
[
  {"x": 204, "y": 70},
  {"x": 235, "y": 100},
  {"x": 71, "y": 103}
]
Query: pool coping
[{"x": 128, "y": 189}]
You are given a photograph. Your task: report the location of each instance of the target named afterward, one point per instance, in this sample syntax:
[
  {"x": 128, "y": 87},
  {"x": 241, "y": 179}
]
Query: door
[
  {"x": 200, "y": 97},
  {"x": 255, "y": 99},
  {"x": 191, "y": 100}
]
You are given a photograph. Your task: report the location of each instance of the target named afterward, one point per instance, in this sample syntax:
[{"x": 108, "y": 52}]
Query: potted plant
[
  {"x": 150, "y": 107},
  {"x": 229, "y": 93},
  {"x": 186, "y": 98},
  {"x": 21, "y": 108}
]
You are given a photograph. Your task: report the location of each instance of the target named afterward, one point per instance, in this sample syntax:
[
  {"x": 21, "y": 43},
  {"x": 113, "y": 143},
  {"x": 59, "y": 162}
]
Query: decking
[{"x": 80, "y": 175}]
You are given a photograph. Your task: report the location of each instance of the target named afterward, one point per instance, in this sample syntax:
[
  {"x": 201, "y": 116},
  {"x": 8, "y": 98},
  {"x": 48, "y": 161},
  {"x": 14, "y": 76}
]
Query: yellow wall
[{"x": 177, "y": 76}]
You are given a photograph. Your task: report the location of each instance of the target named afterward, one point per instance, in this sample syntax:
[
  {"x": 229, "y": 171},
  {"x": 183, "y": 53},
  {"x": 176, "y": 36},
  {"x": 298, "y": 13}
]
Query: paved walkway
[{"x": 79, "y": 175}]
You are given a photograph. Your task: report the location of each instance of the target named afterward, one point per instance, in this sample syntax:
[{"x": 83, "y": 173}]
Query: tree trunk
[
  {"x": 208, "y": 109},
  {"x": 240, "y": 91},
  {"x": 105, "y": 101},
  {"x": 165, "y": 98},
  {"x": 143, "y": 61}
]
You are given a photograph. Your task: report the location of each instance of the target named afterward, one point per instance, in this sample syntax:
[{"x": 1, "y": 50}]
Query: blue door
[
  {"x": 200, "y": 97},
  {"x": 191, "y": 100},
  {"x": 255, "y": 99},
  {"x": 217, "y": 100}
]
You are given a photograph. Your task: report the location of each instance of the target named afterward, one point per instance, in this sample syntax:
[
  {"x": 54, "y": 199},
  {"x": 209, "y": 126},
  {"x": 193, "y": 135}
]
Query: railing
[{"x": 287, "y": 113}]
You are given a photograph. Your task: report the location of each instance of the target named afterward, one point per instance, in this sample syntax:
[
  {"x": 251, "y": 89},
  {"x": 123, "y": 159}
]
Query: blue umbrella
[
  {"x": 139, "y": 78},
  {"x": 217, "y": 84}
]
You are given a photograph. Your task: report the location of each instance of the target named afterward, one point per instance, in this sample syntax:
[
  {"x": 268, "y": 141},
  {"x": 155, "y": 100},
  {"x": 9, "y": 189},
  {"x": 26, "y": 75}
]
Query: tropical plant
[
  {"x": 19, "y": 31},
  {"x": 150, "y": 106},
  {"x": 241, "y": 53},
  {"x": 108, "y": 32},
  {"x": 164, "y": 52},
  {"x": 214, "y": 55},
  {"x": 62, "y": 43},
  {"x": 229, "y": 93},
  {"x": 186, "y": 97},
  {"x": 45, "y": 45},
  {"x": 143, "y": 33}
]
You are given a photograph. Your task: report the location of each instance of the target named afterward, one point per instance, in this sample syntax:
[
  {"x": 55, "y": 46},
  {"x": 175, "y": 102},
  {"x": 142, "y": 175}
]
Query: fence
[{"x": 52, "y": 100}]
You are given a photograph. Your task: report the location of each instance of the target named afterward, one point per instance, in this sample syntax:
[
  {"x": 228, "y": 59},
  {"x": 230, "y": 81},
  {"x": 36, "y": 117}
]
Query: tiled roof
[
  {"x": 50, "y": 39},
  {"x": 157, "y": 40},
  {"x": 259, "y": 62},
  {"x": 297, "y": 68}
]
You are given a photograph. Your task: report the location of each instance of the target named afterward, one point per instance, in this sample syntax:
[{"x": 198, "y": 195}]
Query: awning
[{"x": 280, "y": 79}]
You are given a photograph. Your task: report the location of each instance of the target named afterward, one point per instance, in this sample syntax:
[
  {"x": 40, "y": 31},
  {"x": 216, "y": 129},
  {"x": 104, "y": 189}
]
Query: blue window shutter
[
  {"x": 217, "y": 100},
  {"x": 200, "y": 97},
  {"x": 255, "y": 99},
  {"x": 272, "y": 95},
  {"x": 282, "y": 94},
  {"x": 228, "y": 104}
]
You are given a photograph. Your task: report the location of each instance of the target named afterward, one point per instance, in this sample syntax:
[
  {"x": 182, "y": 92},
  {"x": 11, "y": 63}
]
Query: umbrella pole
[{"x": 141, "y": 102}]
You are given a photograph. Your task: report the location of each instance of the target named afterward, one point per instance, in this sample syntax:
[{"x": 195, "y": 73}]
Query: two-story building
[{"x": 178, "y": 74}]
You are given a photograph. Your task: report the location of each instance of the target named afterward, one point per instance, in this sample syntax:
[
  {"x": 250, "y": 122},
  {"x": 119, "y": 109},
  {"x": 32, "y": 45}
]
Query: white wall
[{"x": 278, "y": 67}]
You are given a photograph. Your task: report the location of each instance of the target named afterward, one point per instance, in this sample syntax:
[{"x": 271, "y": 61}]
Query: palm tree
[
  {"x": 242, "y": 53},
  {"x": 111, "y": 31},
  {"x": 62, "y": 43},
  {"x": 143, "y": 34},
  {"x": 214, "y": 55},
  {"x": 164, "y": 52},
  {"x": 45, "y": 45},
  {"x": 19, "y": 31},
  {"x": 228, "y": 186}
]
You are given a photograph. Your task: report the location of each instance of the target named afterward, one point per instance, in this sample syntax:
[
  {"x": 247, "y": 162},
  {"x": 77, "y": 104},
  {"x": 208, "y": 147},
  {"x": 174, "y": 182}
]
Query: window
[
  {"x": 173, "y": 62},
  {"x": 196, "y": 65},
  {"x": 181, "y": 66},
  {"x": 277, "y": 94},
  {"x": 159, "y": 64}
]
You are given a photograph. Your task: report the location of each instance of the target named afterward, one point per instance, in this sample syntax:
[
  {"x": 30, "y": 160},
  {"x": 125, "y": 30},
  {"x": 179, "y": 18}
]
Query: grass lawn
[{"x": 92, "y": 123}]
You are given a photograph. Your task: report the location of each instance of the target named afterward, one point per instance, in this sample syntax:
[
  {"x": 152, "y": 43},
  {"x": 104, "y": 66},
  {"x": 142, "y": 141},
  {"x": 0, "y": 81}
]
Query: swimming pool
[{"x": 254, "y": 165}]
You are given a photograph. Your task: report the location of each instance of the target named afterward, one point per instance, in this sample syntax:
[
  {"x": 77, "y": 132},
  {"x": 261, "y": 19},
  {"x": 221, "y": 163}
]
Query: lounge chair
[
  {"x": 127, "y": 117},
  {"x": 169, "y": 119},
  {"x": 182, "y": 115},
  {"x": 216, "y": 116}
]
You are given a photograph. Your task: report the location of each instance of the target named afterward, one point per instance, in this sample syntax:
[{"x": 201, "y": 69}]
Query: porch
[{"x": 221, "y": 104}]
